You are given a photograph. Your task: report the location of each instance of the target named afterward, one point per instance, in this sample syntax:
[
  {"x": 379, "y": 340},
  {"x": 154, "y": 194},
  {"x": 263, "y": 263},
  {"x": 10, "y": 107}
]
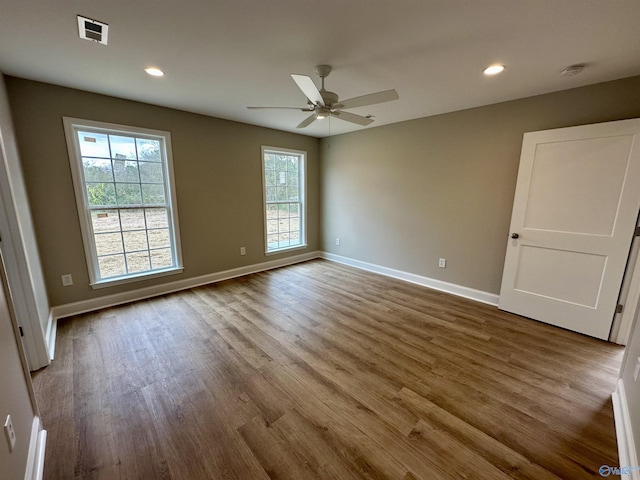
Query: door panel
[
  {"x": 571, "y": 269},
  {"x": 575, "y": 209},
  {"x": 595, "y": 171}
]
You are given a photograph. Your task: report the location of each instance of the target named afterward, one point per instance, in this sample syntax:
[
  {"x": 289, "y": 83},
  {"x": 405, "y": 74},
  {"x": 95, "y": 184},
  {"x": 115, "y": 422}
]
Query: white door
[{"x": 574, "y": 215}]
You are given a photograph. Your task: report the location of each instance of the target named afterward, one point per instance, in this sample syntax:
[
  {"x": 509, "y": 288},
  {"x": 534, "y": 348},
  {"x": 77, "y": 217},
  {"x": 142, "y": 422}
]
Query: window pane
[
  {"x": 148, "y": 150},
  {"x": 294, "y": 209},
  {"x": 272, "y": 241},
  {"x": 270, "y": 192},
  {"x": 151, "y": 172},
  {"x": 96, "y": 170},
  {"x": 101, "y": 194},
  {"x": 283, "y": 225},
  {"x": 111, "y": 266},
  {"x": 138, "y": 262},
  {"x": 93, "y": 145},
  {"x": 283, "y": 210},
  {"x": 161, "y": 258},
  {"x": 283, "y": 240},
  {"x": 126, "y": 171},
  {"x": 292, "y": 194},
  {"x": 158, "y": 238},
  {"x": 105, "y": 221},
  {"x": 135, "y": 241},
  {"x": 153, "y": 193},
  {"x": 132, "y": 219},
  {"x": 122, "y": 147},
  {"x": 272, "y": 226},
  {"x": 281, "y": 194},
  {"x": 281, "y": 163},
  {"x": 128, "y": 194},
  {"x": 108, "y": 243},
  {"x": 269, "y": 161},
  {"x": 270, "y": 177},
  {"x": 156, "y": 217},
  {"x": 272, "y": 211},
  {"x": 293, "y": 179}
]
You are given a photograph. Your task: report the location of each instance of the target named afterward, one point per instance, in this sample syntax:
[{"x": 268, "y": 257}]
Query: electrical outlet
[
  {"x": 243, "y": 251},
  {"x": 338, "y": 242},
  {"x": 636, "y": 370},
  {"x": 67, "y": 280},
  {"x": 10, "y": 433},
  {"x": 442, "y": 263}
]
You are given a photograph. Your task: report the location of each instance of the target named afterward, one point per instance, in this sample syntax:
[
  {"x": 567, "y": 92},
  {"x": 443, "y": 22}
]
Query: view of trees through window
[{"x": 122, "y": 170}]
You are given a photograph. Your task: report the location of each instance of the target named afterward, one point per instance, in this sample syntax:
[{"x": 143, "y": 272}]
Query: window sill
[
  {"x": 136, "y": 278},
  {"x": 285, "y": 249}
]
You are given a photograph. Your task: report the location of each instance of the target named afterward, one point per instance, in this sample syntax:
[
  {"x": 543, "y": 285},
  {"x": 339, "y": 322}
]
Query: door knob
[{"x": 515, "y": 235}]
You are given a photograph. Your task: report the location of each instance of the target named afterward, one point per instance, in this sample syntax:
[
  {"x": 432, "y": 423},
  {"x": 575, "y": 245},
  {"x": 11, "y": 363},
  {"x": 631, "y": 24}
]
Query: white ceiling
[{"x": 221, "y": 56}]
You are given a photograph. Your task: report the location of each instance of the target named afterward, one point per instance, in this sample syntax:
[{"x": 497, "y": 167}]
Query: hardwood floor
[{"x": 321, "y": 371}]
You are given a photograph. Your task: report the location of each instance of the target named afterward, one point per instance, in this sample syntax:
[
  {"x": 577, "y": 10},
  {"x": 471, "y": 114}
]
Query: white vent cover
[{"x": 93, "y": 30}]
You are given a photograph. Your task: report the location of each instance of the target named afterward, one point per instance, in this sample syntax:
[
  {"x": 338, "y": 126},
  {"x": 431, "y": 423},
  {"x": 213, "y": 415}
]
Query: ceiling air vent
[{"x": 93, "y": 30}]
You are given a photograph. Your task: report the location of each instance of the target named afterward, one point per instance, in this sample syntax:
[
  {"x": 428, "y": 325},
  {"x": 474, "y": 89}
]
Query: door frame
[{"x": 622, "y": 326}]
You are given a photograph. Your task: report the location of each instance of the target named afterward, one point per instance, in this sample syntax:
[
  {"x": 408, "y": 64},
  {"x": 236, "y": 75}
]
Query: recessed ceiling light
[
  {"x": 493, "y": 69},
  {"x": 156, "y": 72}
]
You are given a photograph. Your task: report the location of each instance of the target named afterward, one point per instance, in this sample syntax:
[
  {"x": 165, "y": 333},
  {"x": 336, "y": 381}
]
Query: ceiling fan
[{"x": 326, "y": 104}]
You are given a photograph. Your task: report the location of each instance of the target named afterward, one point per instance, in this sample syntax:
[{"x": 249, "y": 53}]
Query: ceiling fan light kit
[{"x": 323, "y": 103}]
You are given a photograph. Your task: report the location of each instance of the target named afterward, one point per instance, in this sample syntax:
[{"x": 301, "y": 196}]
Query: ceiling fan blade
[
  {"x": 353, "y": 118},
  {"x": 307, "y": 121},
  {"x": 371, "y": 99},
  {"x": 308, "y": 88},
  {"x": 283, "y": 108}
]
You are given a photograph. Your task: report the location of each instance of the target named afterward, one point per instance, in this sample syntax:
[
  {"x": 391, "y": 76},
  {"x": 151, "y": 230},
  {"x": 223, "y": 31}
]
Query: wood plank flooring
[{"x": 321, "y": 371}]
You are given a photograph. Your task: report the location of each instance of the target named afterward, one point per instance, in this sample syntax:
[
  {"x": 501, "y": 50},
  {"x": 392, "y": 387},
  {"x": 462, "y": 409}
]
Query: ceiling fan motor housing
[{"x": 329, "y": 97}]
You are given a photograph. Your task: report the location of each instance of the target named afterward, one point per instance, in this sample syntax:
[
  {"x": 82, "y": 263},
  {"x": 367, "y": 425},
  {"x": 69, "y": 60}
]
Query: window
[
  {"x": 123, "y": 180},
  {"x": 284, "y": 209}
]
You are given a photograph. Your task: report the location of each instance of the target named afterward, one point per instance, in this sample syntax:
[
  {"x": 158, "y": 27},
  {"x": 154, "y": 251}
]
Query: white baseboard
[
  {"x": 35, "y": 458},
  {"x": 84, "y": 306},
  {"x": 452, "y": 288},
  {"x": 627, "y": 454}
]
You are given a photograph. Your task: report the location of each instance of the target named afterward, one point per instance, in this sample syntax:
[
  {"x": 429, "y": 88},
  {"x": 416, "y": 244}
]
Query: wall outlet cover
[{"x": 10, "y": 433}]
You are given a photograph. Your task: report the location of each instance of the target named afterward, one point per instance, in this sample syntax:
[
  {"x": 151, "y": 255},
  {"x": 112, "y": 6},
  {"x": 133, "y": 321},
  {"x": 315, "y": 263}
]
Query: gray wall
[
  {"x": 404, "y": 195},
  {"x": 218, "y": 177}
]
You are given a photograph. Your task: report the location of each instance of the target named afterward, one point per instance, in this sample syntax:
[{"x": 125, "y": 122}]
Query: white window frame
[
  {"x": 71, "y": 127},
  {"x": 302, "y": 185}
]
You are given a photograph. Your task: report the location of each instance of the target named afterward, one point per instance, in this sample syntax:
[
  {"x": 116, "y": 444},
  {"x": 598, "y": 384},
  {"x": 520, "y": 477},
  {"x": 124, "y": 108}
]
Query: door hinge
[
  {"x": 21, "y": 331},
  {"x": 637, "y": 232},
  {"x": 619, "y": 308}
]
